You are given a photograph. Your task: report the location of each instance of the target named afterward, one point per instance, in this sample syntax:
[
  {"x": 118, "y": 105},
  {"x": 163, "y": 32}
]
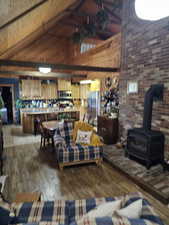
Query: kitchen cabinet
[
  {"x": 25, "y": 87},
  {"x": 31, "y": 89},
  {"x": 53, "y": 91},
  {"x": 84, "y": 91},
  {"x": 64, "y": 85},
  {"x": 108, "y": 129},
  {"x": 49, "y": 91},
  {"x": 75, "y": 91},
  {"x": 34, "y": 89}
]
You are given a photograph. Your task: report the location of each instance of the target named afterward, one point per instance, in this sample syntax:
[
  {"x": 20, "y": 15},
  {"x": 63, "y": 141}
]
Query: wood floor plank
[{"x": 30, "y": 170}]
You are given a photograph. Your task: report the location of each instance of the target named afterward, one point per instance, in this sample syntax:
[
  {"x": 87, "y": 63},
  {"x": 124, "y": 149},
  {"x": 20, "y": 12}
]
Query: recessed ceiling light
[{"x": 152, "y": 9}]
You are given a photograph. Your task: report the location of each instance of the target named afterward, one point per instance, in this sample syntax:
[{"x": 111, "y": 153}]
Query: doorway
[{"x": 7, "y": 96}]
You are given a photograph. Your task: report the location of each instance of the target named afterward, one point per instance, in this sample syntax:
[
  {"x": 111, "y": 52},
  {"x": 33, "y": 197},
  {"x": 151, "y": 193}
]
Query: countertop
[{"x": 35, "y": 111}]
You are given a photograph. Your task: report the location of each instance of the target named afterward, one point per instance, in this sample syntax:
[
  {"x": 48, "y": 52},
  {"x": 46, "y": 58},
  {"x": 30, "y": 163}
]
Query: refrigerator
[{"x": 93, "y": 106}]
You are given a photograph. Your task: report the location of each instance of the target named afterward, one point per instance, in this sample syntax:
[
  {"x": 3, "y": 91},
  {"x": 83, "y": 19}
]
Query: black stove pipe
[{"x": 155, "y": 92}]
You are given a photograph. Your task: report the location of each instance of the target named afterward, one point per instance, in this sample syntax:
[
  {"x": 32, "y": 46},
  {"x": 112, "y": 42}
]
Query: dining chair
[{"x": 46, "y": 136}]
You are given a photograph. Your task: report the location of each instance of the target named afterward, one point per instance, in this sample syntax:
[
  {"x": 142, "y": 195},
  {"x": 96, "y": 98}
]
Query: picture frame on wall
[{"x": 132, "y": 87}]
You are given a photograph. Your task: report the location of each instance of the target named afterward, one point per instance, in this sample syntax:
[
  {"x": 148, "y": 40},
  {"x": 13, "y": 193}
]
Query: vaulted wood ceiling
[
  {"x": 37, "y": 30},
  {"x": 29, "y": 25}
]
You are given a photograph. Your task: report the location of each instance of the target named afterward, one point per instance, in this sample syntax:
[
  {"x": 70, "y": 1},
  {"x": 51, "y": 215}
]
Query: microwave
[{"x": 65, "y": 94}]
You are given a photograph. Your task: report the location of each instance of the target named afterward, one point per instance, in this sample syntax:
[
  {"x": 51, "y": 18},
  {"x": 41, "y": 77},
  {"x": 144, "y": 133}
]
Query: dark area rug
[{"x": 154, "y": 180}]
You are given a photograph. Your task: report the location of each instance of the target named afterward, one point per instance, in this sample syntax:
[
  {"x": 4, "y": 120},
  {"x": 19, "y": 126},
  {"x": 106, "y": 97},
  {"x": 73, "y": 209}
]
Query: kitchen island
[{"x": 29, "y": 116}]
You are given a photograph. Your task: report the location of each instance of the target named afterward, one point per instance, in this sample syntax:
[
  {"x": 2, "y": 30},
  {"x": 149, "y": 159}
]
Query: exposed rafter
[{"x": 57, "y": 66}]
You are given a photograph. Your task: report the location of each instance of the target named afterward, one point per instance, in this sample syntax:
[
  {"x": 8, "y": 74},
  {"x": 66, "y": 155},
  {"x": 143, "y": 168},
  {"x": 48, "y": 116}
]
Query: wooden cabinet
[
  {"x": 75, "y": 88},
  {"x": 25, "y": 89},
  {"x": 31, "y": 89},
  {"x": 64, "y": 85},
  {"x": 34, "y": 89},
  {"x": 49, "y": 91},
  {"x": 84, "y": 91},
  {"x": 108, "y": 129},
  {"x": 53, "y": 91}
]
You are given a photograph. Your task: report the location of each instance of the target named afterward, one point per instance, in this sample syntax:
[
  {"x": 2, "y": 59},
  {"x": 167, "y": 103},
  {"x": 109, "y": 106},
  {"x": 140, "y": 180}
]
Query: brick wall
[{"x": 145, "y": 58}]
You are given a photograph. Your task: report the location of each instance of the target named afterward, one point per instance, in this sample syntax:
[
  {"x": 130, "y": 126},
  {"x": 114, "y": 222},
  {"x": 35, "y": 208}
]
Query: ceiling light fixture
[
  {"x": 152, "y": 9},
  {"x": 45, "y": 69},
  {"x": 85, "y": 81}
]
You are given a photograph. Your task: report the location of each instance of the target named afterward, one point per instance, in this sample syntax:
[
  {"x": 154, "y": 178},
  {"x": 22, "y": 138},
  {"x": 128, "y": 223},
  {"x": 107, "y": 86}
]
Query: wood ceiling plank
[
  {"x": 29, "y": 24},
  {"x": 22, "y": 14},
  {"x": 10, "y": 9},
  {"x": 34, "y": 51}
]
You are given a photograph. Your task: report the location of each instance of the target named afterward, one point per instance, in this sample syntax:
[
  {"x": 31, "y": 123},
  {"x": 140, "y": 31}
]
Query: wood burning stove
[{"x": 143, "y": 143}]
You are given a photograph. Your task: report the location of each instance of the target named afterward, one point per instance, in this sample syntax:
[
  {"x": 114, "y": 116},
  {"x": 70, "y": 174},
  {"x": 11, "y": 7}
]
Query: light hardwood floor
[{"x": 30, "y": 169}]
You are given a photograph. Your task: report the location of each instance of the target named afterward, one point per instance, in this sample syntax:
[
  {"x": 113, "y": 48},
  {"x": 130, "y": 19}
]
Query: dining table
[{"x": 50, "y": 125}]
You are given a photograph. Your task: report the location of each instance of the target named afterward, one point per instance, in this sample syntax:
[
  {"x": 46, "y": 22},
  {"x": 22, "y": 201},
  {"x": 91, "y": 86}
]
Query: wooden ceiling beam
[
  {"x": 29, "y": 64},
  {"x": 39, "y": 74}
]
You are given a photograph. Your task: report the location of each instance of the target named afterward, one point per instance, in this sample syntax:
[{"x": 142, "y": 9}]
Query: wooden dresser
[{"x": 108, "y": 129}]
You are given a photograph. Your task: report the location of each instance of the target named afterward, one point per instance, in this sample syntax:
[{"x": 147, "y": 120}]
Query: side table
[{"x": 27, "y": 197}]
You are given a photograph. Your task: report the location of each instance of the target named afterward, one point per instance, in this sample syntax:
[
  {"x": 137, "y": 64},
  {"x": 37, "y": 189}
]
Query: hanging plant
[
  {"x": 86, "y": 31},
  {"x": 102, "y": 18}
]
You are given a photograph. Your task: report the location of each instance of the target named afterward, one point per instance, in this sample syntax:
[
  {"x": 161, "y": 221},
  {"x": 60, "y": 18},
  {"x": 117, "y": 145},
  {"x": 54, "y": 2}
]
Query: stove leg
[
  {"x": 126, "y": 154},
  {"x": 163, "y": 165},
  {"x": 148, "y": 165}
]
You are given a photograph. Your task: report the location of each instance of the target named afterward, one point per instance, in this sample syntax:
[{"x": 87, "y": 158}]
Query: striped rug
[{"x": 154, "y": 180}]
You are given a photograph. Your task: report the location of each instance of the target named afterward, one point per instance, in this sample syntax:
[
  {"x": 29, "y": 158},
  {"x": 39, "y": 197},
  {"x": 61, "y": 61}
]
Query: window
[{"x": 85, "y": 47}]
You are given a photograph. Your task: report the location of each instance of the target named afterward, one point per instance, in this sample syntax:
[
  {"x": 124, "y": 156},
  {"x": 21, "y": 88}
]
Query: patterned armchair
[{"x": 70, "y": 153}]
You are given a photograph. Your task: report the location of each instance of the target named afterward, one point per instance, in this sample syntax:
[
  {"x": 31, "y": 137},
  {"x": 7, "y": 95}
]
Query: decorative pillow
[
  {"x": 132, "y": 211},
  {"x": 80, "y": 125},
  {"x": 83, "y": 137},
  {"x": 103, "y": 210}
]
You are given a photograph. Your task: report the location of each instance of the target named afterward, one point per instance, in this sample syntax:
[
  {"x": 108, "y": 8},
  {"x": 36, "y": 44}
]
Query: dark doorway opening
[{"x": 7, "y": 97}]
